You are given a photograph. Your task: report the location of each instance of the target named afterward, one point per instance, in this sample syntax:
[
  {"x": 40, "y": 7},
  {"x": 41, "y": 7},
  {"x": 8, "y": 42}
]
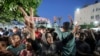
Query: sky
[{"x": 60, "y": 8}]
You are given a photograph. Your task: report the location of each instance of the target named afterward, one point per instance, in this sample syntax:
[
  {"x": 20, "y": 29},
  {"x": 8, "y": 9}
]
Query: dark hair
[
  {"x": 66, "y": 25},
  {"x": 48, "y": 29},
  {"x": 15, "y": 35},
  {"x": 82, "y": 36},
  {"x": 15, "y": 27},
  {"x": 52, "y": 30},
  {"x": 30, "y": 40},
  {"x": 54, "y": 35},
  {"x": 1, "y": 29},
  {"x": 46, "y": 35},
  {"x": 6, "y": 53},
  {"x": 33, "y": 43},
  {"x": 42, "y": 27},
  {"x": 12, "y": 37}
]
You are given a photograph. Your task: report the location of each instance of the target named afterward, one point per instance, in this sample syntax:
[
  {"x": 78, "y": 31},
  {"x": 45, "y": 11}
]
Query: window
[
  {"x": 91, "y": 22},
  {"x": 93, "y": 10},
  {"x": 97, "y": 9},
  {"x": 97, "y": 17},
  {"x": 92, "y": 17}
]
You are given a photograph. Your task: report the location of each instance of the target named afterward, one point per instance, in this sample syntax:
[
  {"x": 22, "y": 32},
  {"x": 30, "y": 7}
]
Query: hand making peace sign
[
  {"x": 28, "y": 18},
  {"x": 28, "y": 21}
]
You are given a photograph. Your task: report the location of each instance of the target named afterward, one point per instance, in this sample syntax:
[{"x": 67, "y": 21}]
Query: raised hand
[
  {"x": 55, "y": 19},
  {"x": 76, "y": 27},
  {"x": 71, "y": 21},
  {"x": 28, "y": 21}
]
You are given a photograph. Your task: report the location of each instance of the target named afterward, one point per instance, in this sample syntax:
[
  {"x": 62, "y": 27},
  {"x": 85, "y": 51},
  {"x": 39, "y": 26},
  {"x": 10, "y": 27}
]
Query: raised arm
[
  {"x": 57, "y": 29},
  {"x": 71, "y": 21},
  {"x": 29, "y": 22}
]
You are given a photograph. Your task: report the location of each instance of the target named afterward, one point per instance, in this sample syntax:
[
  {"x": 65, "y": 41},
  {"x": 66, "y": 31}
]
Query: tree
[
  {"x": 9, "y": 8},
  {"x": 85, "y": 26}
]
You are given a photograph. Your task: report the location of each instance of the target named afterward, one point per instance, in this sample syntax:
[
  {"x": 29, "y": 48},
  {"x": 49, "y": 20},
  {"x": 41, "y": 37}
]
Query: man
[
  {"x": 68, "y": 47},
  {"x": 15, "y": 30},
  {"x": 16, "y": 46},
  {"x": 3, "y": 51}
]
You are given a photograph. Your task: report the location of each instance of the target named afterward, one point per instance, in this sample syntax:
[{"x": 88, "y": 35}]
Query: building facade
[
  {"x": 88, "y": 15},
  {"x": 41, "y": 21}
]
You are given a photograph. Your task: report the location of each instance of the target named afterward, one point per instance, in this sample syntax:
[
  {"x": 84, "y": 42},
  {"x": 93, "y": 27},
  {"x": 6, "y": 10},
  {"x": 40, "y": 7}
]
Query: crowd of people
[{"x": 42, "y": 41}]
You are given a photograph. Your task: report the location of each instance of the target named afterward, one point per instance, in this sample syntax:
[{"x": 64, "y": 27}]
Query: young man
[
  {"x": 16, "y": 46},
  {"x": 29, "y": 50},
  {"x": 3, "y": 51},
  {"x": 68, "y": 47}
]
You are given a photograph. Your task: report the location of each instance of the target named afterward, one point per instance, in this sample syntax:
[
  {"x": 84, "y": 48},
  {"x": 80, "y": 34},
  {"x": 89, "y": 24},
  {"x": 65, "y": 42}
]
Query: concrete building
[
  {"x": 88, "y": 14},
  {"x": 41, "y": 21}
]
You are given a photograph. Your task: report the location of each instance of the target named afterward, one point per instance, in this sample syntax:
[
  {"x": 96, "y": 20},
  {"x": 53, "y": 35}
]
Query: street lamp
[
  {"x": 77, "y": 10},
  {"x": 96, "y": 23},
  {"x": 77, "y": 16}
]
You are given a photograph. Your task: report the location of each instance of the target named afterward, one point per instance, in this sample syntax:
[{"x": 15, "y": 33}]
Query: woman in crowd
[{"x": 49, "y": 48}]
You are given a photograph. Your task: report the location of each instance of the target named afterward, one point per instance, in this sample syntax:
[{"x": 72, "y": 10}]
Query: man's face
[
  {"x": 2, "y": 45},
  {"x": 43, "y": 31},
  {"x": 14, "y": 30},
  {"x": 28, "y": 45},
  {"x": 15, "y": 40},
  {"x": 39, "y": 29}
]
